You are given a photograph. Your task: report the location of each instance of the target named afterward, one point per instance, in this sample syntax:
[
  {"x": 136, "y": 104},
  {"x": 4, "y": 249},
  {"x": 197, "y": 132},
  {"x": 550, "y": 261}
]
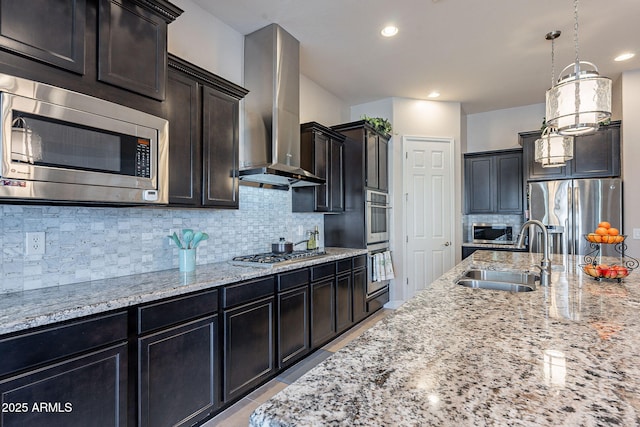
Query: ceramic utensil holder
[{"x": 187, "y": 260}]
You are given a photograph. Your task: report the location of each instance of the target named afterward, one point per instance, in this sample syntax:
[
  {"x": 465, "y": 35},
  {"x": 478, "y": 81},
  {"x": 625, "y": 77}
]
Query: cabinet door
[
  {"x": 88, "y": 390},
  {"x": 323, "y": 305},
  {"x": 509, "y": 183},
  {"x": 336, "y": 177},
  {"x": 597, "y": 155},
  {"x": 372, "y": 159},
  {"x": 480, "y": 184},
  {"x": 249, "y": 355},
  {"x": 383, "y": 164},
  {"x": 344, "y": 296},
  {"x": 178, "y": 377},
  {"x": 220, "y": 148},
  {"x": 359, "y": 294},
  {"x": 132, "y": 48},
  {"x": 321, "y": 148},
  {"x": 51, "y": 31},
  {"x": 534, "y": 170},
  {"x": 181, "y": 109},
  {"x": 293, "y": 325}
]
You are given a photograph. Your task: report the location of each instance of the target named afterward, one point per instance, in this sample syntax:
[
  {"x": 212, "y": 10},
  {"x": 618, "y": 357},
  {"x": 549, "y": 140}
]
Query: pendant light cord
[{"x": 577, "y": 67}]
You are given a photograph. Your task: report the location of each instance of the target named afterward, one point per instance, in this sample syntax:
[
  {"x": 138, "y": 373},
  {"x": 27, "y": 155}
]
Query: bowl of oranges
[{"x": 605, "y": 233}]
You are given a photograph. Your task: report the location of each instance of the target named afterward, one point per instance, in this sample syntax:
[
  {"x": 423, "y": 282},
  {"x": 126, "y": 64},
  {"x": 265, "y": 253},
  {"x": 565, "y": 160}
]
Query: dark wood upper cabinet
[
  {"x": 594, "y": 156},
  {"x": 321, "y": 152},
  {"x": 203, "y": 112},
  {"x": 132, "y": 48},
  {"x": 50, "y": 31},
  {"x": 493, "y": 182},
  {"x": 376, "y": 144},
  {"x": 111, "y": 49}
]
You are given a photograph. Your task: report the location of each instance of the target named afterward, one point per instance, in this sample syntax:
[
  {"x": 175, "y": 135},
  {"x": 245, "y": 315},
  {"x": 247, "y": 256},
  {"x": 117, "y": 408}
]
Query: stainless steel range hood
[{"x": 270, "y": 151}]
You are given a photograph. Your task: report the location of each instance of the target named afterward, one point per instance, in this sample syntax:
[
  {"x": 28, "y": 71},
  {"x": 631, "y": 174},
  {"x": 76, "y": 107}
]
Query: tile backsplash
[{"x": 87, "y": 243}]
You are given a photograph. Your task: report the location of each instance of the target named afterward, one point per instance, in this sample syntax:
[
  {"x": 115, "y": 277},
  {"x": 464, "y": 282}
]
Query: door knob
[{"x": 447, "y": 243}]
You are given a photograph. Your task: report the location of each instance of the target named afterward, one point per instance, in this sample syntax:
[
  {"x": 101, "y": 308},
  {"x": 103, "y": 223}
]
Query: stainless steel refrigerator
[{"x": 572, "y": 208}]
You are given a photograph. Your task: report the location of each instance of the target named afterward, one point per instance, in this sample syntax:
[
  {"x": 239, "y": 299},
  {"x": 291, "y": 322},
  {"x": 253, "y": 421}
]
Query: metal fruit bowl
[{"x": 603, "y": 271}]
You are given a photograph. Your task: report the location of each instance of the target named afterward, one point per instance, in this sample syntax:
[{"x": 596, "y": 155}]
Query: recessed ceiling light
[
  {"x": 389, "y": 31},
  {"x": 434, "y": 94},
  {"x": 624, "y": 56}
]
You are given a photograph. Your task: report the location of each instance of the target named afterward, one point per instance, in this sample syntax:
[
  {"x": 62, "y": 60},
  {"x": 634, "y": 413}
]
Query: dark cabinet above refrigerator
[{"x": 594, "y": 156}]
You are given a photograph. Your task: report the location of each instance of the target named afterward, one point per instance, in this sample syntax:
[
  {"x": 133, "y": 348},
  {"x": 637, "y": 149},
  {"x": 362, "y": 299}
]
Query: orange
[
  {"x": 613, "y": 232},
  {"x": 602, "y": 231},
  {"x": 604, "y": 224}
]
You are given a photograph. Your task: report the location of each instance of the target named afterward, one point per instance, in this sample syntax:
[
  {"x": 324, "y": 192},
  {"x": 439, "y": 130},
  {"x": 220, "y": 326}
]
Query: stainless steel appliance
[
  {"x": 499, "y": 234},
  {"x": 572, "y": 208},
  {"x": 377, "y": 217},
  {"x": 375, "y": 286},
  {"x": 270, "y": 150},
  {"x": 274, "y": 259},
  {"x": 59, "y": 145}
]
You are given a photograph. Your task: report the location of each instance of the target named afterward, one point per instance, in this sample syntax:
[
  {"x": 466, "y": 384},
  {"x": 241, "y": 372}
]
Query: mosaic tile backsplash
[{"x": 87, "y": 243}]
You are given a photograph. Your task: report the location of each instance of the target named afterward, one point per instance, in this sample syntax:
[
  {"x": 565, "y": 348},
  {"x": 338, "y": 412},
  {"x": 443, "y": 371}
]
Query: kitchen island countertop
[
  {"x": 38, "y": 307},
  {"x": 566, "y": 355}
]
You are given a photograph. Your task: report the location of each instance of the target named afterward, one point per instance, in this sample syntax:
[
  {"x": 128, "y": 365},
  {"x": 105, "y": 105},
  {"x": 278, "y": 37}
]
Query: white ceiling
[{"x": 485, "y": 54}]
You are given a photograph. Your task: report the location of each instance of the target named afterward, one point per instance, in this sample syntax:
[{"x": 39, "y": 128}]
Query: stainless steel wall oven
[{"x": 377, "y": 217}]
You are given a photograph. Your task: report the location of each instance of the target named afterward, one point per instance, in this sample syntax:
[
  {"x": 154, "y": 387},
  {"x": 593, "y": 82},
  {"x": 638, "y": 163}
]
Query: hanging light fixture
[
  {"x": 581, "y": 100},
  {"x": 551, "y": 149}
]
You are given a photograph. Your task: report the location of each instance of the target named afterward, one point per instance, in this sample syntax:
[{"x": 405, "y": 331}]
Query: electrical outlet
[
  {"x": 35, "y": 243},
  {"x": 170, "y": 240},
  {"x": 636, "y": 233}
]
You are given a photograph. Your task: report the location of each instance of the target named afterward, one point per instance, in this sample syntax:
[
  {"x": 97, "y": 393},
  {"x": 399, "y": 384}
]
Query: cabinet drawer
[
  {"x": 322, "y": 271},
  {"x": 178, "y": 310},
  {"x": 359, "y": 262},
  {"x": 343, "y": 266},
  {"x": 293, "y": 279},
  {"x": 36, "y": 348},
  {"x": 244, "y": 292}
]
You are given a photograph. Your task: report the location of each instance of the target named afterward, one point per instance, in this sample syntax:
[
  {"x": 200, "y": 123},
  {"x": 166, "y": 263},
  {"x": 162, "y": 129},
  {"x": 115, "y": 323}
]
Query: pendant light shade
[
  {"x": 553, "y": 150},
  {"x": 581, "y": 100}
]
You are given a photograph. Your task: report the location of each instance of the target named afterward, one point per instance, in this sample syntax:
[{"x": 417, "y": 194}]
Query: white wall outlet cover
[
  {"x": 35, "y": 243},
  {"x": 636, "y": 233}
]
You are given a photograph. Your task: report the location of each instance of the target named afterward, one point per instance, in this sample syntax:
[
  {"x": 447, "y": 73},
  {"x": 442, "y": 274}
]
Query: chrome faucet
[{"x": 545, "y": 264}]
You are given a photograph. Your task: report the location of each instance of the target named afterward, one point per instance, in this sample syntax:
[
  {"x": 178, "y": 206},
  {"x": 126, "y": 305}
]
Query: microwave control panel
[{"x": 143, "y": 158}]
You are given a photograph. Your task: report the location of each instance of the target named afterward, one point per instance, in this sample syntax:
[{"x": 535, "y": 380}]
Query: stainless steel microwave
[
  {"x": 498, "y": 234},
  {"x": 63, "y": 146}
]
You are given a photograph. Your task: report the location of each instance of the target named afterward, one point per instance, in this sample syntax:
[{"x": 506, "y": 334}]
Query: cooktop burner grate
[{"x": 270, "y": 259}]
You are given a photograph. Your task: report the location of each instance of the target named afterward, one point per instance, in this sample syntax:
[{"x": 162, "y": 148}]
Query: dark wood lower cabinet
[
  {"x": 323, "y": 319},
  {"x": 359, "y": 294},
  {"x": 85, "y": 390},
  {"x": 344, "y": 296},
  {"x": 293, "y": 325},
  {"x": 178, "y": 378},
  {"x": 248, "y": 353}
]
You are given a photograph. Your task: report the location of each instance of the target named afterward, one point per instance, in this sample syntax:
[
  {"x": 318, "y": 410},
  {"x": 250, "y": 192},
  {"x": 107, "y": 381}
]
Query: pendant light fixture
[
  {"x": 551, "y": 149},
  {"x": 581, "y": 100}
]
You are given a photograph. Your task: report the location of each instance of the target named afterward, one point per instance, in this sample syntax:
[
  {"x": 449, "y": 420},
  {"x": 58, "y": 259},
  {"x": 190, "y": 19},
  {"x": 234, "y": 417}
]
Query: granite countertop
[
  {"x": 564, "y": 355},
  {"x": 28, "y": 309}
]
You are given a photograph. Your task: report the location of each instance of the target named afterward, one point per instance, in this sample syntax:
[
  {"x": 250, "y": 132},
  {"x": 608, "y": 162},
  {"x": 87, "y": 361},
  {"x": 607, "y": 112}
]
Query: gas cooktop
[{"x": 272, "y": 259}]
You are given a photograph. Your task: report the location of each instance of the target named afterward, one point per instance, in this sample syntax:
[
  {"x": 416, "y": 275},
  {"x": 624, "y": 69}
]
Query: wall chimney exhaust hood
[{"x": 270, "y": 151}]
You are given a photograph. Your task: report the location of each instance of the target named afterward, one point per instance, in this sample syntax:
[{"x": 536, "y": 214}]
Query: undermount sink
[{"x": 510, "y": 281}]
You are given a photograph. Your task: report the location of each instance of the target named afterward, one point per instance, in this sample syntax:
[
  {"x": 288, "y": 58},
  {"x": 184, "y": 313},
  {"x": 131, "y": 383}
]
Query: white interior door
[{"x": 429, "y": 208}]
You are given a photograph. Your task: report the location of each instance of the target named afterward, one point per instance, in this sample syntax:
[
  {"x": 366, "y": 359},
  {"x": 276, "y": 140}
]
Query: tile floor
[{"x": 238, "y": 414}]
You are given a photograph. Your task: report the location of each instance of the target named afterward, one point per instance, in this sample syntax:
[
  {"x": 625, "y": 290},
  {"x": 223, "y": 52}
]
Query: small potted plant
[{"x": 379, "y": 124}]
